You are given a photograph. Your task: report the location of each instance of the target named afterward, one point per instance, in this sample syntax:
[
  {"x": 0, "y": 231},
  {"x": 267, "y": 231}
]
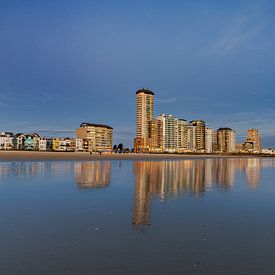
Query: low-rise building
[
  {"x": 7, "y": 141},
  {"x": 36, "y": 139},
  {"x": 63, "y": 144},
  {"x": 19, "y": 141},
  {"x": 42, "y": 144},
  {"x": 29, "y": 143},
  {"x": 49, "y": 144},
  {"x": 268, "y": 151},
  {"x": 78, "y": 144}
]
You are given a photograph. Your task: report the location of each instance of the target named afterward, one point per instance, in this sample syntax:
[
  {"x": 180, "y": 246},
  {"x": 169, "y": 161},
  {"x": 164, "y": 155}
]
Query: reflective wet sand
[{"x": 193, "y": 216}]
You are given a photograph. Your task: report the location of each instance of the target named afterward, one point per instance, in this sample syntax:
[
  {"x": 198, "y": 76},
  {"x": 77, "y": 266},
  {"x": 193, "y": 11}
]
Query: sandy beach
[{"x": 38, "y": 155}]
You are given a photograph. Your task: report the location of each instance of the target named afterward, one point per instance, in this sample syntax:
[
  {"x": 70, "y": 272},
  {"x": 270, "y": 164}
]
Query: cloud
[
  {"x": 243, "y": 27},
  {"x": 54, "y": 131},
  {"x": 167, "y": 100},
  {"x": 26, "y": 99},
  {"x": 262, "y": 119},
  {"x": 18, "y": 123}
]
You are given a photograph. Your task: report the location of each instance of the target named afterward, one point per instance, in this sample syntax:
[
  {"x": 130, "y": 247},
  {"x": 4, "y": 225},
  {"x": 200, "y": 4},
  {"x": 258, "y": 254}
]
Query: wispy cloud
[
  {"x": 54, "y": 131},
  {"x": 262, "y": 119},
  {"x": 167, "y": 100},
  {"x": 243, "y": 27},
  {"x": 25, "y": 99},
  {"x": 13, "y": 124}
]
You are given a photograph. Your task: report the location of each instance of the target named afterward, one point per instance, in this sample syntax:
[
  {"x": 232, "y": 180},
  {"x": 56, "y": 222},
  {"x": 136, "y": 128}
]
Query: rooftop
[
  {"x": 146, "y": 91},
  {"x": 197, "y": 121},
  {"x": 225, "y": 129},
  {"x": 95, "y": 125}
]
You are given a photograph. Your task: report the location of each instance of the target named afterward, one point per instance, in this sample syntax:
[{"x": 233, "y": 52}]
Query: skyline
[{"x": 65, "y": 64}]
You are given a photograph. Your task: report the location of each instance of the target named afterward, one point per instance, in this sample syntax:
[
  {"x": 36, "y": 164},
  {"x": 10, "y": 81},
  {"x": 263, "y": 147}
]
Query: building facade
[
  {"x": 79, "y": 145},
  {"x": 253, "y": 136},
  {"x": 144, "y": 116},
  {"x": 42, "y": 144},
  {"x": 170, "y": 132},
  {"x": 144, "y": 112},
  {"x": 199, "y": 135},
  {"x": 225, "y": 140},
  {"x": 209, "y": 140},
  {"x": 7, "y": 141},
  {"x": 156, "y": 135},
  {"x": 182, "y": 124},
  {"x": 96, "y": 137}
]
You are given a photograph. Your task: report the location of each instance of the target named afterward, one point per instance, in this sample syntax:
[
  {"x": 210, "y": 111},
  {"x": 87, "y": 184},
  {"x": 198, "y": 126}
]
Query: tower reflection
[
  {"x": 170, "y": 179},
  {"x": 96, "y": 174}
]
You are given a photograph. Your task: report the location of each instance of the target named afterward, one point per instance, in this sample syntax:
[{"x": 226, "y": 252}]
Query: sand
[{"x": 30, "y": 155}]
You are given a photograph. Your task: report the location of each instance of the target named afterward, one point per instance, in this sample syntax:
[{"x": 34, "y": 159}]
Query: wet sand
[{"x": 25, "y": 155}]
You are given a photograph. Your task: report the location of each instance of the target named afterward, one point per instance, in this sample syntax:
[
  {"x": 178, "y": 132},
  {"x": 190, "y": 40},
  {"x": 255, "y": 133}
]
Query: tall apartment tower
[
  {"x": 226, "y": 140},
  {"x": 199, "y": 134},
  {"x": 182, "y": 128},
  {"x": 209, "y": 140},
  {"x": 170, "y": 132},
  {"x": 144, "y": 116},
  {"x": 144, "y": 112},
  {"x": 254, "y": 137},
  {"x": 156, "y": 135}
]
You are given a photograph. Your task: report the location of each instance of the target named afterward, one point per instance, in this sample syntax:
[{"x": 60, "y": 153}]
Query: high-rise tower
[
  {"x": 144, "y": 112},
  {"x": 199, "y": 134},
  {"x": 144, "y": 116},
  {"x": 226, "y": 140}
]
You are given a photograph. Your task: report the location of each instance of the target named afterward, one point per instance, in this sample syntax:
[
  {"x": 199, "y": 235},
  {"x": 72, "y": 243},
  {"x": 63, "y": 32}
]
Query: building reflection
[
  {"x": 171, "y": 179},
  {"x": 94, "y": 174},
  {"x": 153, "y": 179}
]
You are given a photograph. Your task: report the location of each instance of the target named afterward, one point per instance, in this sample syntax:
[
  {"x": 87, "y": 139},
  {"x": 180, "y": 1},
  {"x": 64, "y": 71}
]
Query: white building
[
  {"x": 6, "y": 141},
  {"x": 268, "y": 151},
  {"x": 79, "y": 145},
  {"x": 42, "y": 144},
  {"x": 209, "y": 133},
  {"x": 170, "y": 133}
]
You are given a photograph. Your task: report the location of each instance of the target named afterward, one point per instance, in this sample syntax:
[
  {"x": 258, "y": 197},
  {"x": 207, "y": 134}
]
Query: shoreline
[{"x": 39, "y": 155}]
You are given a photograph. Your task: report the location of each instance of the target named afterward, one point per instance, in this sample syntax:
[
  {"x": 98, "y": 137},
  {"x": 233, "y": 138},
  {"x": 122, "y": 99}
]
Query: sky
[{"x": 67, "y": 62}]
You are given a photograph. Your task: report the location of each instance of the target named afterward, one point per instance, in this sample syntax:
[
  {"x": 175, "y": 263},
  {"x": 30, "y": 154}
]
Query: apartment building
[
  {"x": 199, "y": 134},
  {"x": 225, "y": 140},
  {"x": 96, "y": 137},
  {"x": 170, "y": 132}
]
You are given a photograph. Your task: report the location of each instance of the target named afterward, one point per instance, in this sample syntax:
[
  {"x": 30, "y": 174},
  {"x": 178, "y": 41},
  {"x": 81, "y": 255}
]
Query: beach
[{"x": 38, "y": 155}]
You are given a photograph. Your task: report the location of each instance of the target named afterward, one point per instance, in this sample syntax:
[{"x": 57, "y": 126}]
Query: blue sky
[{"x": 65, "y": 62}]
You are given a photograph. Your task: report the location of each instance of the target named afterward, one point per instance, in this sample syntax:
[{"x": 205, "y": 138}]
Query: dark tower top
[
  {"x": 146, "y": 91},
  {"x": 95, "y": 125}
]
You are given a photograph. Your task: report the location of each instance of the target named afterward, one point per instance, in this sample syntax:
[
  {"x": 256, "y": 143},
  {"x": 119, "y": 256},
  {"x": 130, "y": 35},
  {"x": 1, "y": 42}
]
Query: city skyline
[{"x": 61, "y": 66}]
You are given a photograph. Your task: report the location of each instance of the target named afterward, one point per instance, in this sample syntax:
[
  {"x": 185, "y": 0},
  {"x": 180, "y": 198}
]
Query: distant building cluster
[
  {"x": 89, "y": 138},
  {"x": 169, "y": 134},
  {"x": 165, "y": 133}
]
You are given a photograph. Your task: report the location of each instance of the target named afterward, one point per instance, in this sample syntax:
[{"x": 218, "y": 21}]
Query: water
[{"x": 200, "y": 216}]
